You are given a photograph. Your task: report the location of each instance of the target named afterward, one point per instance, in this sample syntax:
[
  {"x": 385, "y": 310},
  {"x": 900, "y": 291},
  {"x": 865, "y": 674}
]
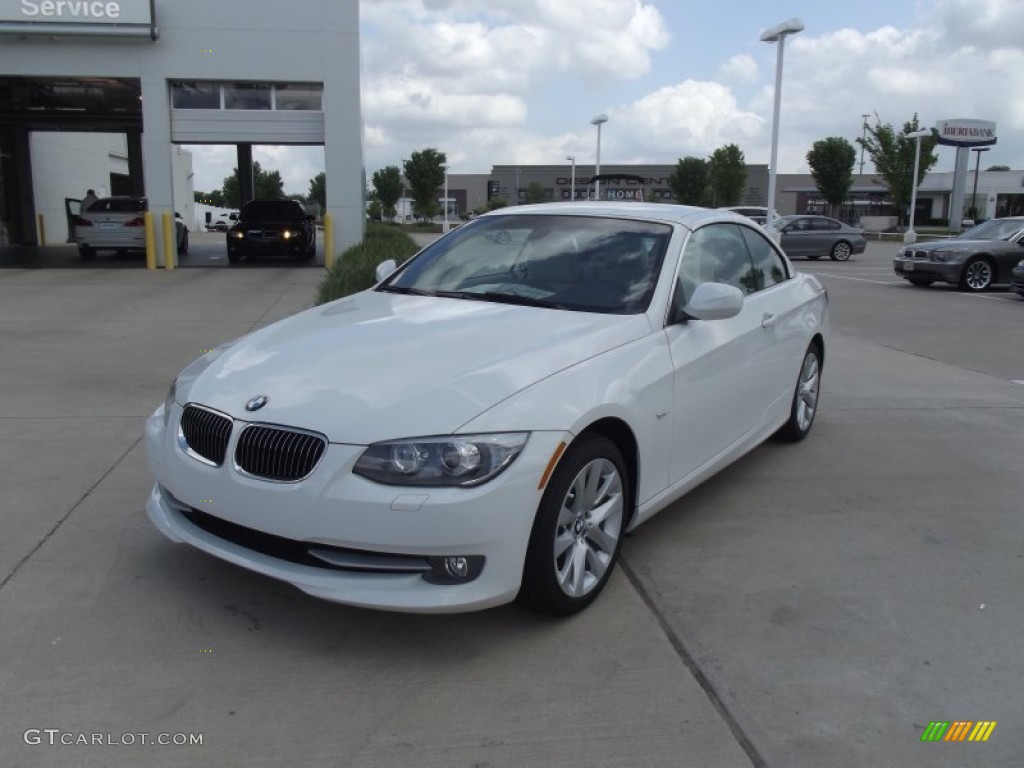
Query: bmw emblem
[{"x": 256, "y": 403}]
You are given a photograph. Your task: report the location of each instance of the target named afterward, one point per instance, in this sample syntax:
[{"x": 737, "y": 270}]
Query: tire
[
  {"x": 87, "y": 253},
  {"x": 813, "y": 256},
  {"x": 920, "y": 282},
  {"x": 805, "y": 398},
  {"x": 841, "y": 251},
  {"x": 234, "y": 258},
  {"x": 577, "y": 533},
  {"x": 183, "y": 245},
  {"x": 977, "y": 275}
]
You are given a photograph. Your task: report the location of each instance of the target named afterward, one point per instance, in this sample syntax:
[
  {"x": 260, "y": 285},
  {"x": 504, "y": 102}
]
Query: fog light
[{"x": 456, "y": 567}]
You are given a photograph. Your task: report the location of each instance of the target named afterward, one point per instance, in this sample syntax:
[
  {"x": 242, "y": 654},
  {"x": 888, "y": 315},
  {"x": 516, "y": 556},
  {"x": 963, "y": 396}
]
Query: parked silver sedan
[
  {"x": 974, "y": 260},
  {"x": 816, "y": 236}
]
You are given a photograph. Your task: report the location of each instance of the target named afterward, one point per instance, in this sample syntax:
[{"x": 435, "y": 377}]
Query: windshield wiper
[
  {"x": 408, "y": 291},
  {"x": 514, "y": 298}
]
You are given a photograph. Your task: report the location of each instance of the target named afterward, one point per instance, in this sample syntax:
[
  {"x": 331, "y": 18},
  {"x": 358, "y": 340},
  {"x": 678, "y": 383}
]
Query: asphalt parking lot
[{"x": 813, "y": 605}]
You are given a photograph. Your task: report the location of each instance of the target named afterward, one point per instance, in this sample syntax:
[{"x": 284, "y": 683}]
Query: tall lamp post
[
  {"x": 863, "y": 139},
  {"x": 572, "y": 176},
  {"x": 911, "y": 235},
  {"x": 974, "y": 194},
  {"x": 445, "y": 227},
  {"x": 598, "y": 121},
  {"x": 777, "y": 34}
]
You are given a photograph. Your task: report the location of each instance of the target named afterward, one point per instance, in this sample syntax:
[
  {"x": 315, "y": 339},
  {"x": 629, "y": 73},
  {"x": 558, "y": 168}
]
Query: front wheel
[
  {"x": 977, "y": 275},
  {"x": 183, "y": 245},
  {"x": 578, "y": 529},
  {"x": 805, "y": 398},
  {"x": 841, "y": 251}
]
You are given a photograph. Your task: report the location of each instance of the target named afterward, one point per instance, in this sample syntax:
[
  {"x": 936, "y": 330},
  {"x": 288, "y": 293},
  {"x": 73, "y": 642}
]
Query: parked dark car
[
  {"x": 817, "y": 236},
  {"x": 975, "y": 260},
  {"x": 274, "y": 227},
  {"x": 1017, "y": 278}
]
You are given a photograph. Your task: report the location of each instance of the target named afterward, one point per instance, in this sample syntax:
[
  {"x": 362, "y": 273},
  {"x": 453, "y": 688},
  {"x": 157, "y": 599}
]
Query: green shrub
[{"x": 353, "y": 270}]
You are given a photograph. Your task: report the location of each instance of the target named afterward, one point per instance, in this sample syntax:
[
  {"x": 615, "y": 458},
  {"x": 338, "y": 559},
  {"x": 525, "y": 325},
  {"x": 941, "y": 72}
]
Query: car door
[
  {"x": 796, "y": 237},
  {"x": 720, "y": 367}
]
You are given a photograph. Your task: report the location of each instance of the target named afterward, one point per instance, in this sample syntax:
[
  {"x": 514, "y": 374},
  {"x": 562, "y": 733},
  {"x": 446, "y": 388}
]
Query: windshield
[
  {"x": 578, "y": 263},
  {"x": 993, "y": 229},
  {"x": 272, "y": 209}
]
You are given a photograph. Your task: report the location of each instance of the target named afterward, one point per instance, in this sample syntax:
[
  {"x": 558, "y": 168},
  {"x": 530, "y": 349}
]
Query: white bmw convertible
[{"x": 488, "y": 421}]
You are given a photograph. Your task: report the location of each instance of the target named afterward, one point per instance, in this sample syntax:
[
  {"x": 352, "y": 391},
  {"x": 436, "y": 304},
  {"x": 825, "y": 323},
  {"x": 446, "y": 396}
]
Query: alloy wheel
[
  {"x": 588, "y": 528},
  {"x": 807, "y": 392}
]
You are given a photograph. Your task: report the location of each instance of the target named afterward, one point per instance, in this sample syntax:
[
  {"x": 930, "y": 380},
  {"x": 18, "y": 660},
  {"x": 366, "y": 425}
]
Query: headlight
[
  {"x": 902, "y": 253},
  {"x": 172, "y": 393},
  {"x": 287, "y": 234},
  {"x": 236, "y": 234},
  {"x": 452, "y": 460}
]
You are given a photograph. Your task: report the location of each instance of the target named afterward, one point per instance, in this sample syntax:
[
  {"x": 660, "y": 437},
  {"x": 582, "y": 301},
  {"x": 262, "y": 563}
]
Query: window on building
[
  {"x": 247, "y": 96},
  {"x": 195, "y": 95},
  {"x": 298, "y": 96}
]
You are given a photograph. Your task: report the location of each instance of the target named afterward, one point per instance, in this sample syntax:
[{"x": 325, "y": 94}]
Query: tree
[
  {"x": 425, "y": 173},
  {"x": 689, "y": 180},
  {"x": 267, "y": 185},
  {"x": 998, "y": 168},
  {"x": 215, "y": 198},
  {"x": 831, "y": 161},
  {"x": 374, "y": 210},
  {"x": 727, "y": 174},
  {"x": 387, "y": 186},
  {"x": 318, "y": 190},
  {"x": 893, "y": 156},
  {"x": 535, "y": 193},
  {"x": 495, "y": 203}
]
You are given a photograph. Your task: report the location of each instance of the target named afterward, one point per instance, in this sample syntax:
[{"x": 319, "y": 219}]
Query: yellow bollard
[
  {"x": 170, "y": 249},
  {"x": 42, "y": 229},
  {"x": 150, "y": 241},
  {"x": 328, "y": 240}
]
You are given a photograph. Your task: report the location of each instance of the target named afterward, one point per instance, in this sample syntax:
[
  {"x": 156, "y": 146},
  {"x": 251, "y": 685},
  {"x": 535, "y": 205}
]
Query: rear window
[
  {"x": 119, "y": 205},
  {"x": 273, "y": 209}
]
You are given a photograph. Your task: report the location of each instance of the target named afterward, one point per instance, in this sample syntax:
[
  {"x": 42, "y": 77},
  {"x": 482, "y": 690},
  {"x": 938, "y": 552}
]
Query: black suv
[{"x": 279, "y": 227}]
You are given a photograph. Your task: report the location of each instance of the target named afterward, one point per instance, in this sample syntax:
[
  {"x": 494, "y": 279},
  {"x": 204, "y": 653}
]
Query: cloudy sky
[{"x": 498, "y": 82}]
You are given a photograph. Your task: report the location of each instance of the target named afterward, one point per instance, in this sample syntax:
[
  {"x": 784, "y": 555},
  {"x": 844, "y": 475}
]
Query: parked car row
[
  {"x": 986, "y": 255},
  {"x": 808, "y": 236}
]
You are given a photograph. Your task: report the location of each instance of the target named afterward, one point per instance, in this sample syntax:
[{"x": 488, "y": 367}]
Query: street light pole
[
  {"x": 445, "y": 227},
  {"x": 598, "y": 121},
  {"x": 572, "y": 177},
  {"x": 863, "y": 139},
  {"x": 911, "y": 235},
  {"x": 974, "y": 194},
  {"x": 777, "y": 34}
]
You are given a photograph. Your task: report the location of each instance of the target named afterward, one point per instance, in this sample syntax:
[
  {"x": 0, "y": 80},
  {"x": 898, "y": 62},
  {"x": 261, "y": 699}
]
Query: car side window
[
  {"x": 769, "y": 267},
  {"x": 799, "y": 225},
  {"x": 716, "y": 253}
]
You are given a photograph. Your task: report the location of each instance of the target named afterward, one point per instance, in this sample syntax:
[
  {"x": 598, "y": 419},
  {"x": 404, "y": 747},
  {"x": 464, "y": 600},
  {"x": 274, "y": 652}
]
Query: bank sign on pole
[
  {"x": 966, "y": 133},
  {"x": 94, "y": 18}
]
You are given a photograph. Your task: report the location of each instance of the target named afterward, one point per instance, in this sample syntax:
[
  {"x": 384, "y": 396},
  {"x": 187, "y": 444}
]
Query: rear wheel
[
  {"x": 977, "y": 275},
  {"x": 805, "y": 398},
  {"x": 578, "y": 529},
  {"x": 87, "y": 253},
  {"x": 841, "y": 251}
]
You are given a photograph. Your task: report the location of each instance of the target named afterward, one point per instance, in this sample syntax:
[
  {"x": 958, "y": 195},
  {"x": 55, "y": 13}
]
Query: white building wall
[{"x": 67, "y": 165}]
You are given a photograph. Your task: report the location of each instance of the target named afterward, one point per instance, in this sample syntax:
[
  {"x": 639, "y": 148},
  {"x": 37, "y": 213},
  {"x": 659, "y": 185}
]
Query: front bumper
[
  {"x": 945, "y": 271},
  {"x": 277, "y": 246},
  {"x": 335, "y": 508}
]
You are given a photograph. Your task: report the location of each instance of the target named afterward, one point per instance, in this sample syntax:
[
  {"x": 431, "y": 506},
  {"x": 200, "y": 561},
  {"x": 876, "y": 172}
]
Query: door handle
[{"x": 767, "y": 319}]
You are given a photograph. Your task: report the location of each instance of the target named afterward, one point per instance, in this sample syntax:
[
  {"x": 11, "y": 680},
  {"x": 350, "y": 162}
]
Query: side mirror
[
  {"x": 714, "y": 301},
  {"x": 385, "y": 268}
]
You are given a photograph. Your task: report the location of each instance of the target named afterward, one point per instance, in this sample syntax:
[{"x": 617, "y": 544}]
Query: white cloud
[{"x": 740, "y": 68}]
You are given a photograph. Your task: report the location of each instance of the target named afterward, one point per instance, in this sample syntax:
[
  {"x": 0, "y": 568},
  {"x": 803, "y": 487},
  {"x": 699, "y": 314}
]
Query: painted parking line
[{"x": 859, "y": 279}]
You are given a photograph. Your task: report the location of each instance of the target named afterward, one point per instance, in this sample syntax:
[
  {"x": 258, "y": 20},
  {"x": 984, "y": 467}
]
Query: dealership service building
[{"x": 165, "y": 73}]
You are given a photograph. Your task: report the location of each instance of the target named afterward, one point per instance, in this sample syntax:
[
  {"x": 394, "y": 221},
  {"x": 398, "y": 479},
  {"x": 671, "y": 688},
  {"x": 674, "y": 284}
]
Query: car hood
[
  {"x": 952, "y": 245},
  {"x": 378, "y": 366}
]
